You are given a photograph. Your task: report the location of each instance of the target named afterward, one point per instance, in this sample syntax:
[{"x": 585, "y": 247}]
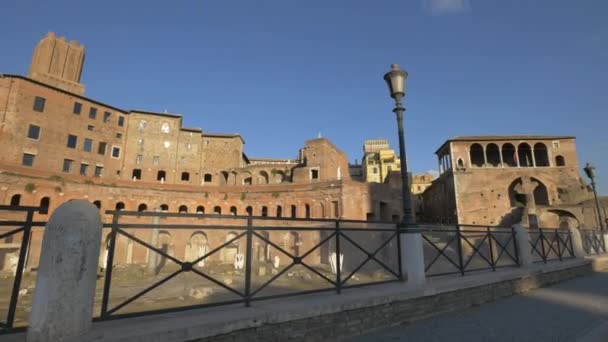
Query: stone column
[
  {"x": 62, "y": 307},
  {"x": 524, "y": 250},
  {"x": 412, "y": 257},
  {"x": 605, "y": 237},
  {"x": 577, "y": 243}
]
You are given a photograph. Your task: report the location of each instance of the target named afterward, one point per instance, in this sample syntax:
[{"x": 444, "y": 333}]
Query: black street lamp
[
  {"x": 395, "y": 79},
  {"x": 590, "y": 171}
]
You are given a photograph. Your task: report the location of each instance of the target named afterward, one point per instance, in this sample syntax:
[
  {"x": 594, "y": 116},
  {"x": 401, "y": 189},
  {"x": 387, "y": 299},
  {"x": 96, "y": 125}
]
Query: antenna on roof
[{"x": 319, "y": 136}]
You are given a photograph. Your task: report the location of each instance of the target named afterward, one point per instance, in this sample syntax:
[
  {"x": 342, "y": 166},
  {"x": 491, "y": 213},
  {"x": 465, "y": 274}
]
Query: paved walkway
[{"x": 576, "y": 310}]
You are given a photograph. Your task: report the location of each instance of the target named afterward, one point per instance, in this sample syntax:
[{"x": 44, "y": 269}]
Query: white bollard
[
  {"x": 524, "y": 250},
  {"x": 412, "y": 257},
  {"x": 62, "y": 307},
  {"x": 577, "y": 243}
]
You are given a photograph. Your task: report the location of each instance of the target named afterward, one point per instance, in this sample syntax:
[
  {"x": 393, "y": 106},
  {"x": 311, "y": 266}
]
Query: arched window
[
  {"x": 509, "y": 156},
  {"x": 142, "y": 207},
  {"x": 264, "y": 211},
  {"x": 15, "y": 200},
  {"x": 200, "y": 209},
  {"x": 307, "y": 211},
  {"x": 476, "y": 154},
  {"x": 233, "y": 211},
  {"x": 541, "y": 196},
  {"x": 164, "y": 207},
  {"x": 120, "y": 206},
  {"x": 161, "y": 176},
  {"x": 516, "y": 197},
  {"x": 493, "y": 155},
  {"x": 263, "y": 177},
  {"x": 183, "y": 209},
  {"x": 249, "y": 211},
  {"x": 45, "y": 202},
  {"x": 247, "y": 181},
  {"x": 460, "y": 163},
  {"x": 185, "y": 176},
  {"x": 217, "y": 210},
  {"x": 224, "y": 178},
  {"x": 541, "y": 155},
  {"x": 208, "y": 178},
  {"x": 97, "y": 204},
  {"x": 524, "y": 154},
  {"x": 293, "y": 211},
  {"x": 560, "y": 161},
  {"x": 279, "y": 211}
]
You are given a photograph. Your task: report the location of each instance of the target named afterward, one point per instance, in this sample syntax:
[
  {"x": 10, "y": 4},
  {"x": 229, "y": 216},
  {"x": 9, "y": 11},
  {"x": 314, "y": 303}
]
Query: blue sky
[{"x": 279, "y": 72}]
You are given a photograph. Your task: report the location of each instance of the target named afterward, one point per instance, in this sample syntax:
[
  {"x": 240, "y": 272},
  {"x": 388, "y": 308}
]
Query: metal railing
[
  {"x": 467, "y": 248},
  {"x": 21, "y": 227},
  {"x": 338, "y": 236},
  {"x": 593, "y": 241},
  {"x": 551, "y": 244}
]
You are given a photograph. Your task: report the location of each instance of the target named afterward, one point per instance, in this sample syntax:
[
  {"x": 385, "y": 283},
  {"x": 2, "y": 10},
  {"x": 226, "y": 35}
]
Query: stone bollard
[
  {"x": 62, "y": 307},
  {"x": 577, "y": 243},
  {"x": 412, "y": 257},
  {"x": 524, "y": 250}
]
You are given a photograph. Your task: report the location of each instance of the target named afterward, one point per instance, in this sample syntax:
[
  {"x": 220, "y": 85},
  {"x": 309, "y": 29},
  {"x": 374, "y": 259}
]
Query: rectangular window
[
  {"x": 155, "y": 160},
  {"x": 92, "y": 113},
  {"x": 77, "y": 108},
  {"x": 115, "y": 152},
  {"x": 106, "y": 116},
  {"x": 136, "y": 174},
  {"x": 28, "y": 159},
  {"x": 139, "y": 159},
  {"x": 101, "y": 149},
  {"x": 556, "y": 144},
  {"x": 39, "y": 104},
  {"x": 72, "y": 141},
  {"x": 98, "y": 171},
  {"x": 119, "y": 135},
  {"x": 67, "y": 165},
  {"x": 83, "y": 169},
  {"x": 121, "y": 121},
  {"x": 314, "y": 174},
  {"x": 33, "y": 132},
  {"x": 90, "y": 127},
  {"x": 88, "y": 145}
]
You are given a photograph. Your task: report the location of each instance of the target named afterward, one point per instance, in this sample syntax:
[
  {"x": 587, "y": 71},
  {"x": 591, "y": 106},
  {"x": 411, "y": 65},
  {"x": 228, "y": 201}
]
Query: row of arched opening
[
  {"x": 249, "y": 178},
  {"x": 509, "y": 155},
  {"x": 217, "y": 210},
  {"x": 45, "y": 202},
  {"x": 161, "y": 176}
]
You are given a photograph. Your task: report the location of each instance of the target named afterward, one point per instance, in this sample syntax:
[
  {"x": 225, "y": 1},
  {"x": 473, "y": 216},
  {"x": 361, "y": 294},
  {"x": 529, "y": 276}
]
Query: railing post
[
  {"x": 248, "y": 262},
  {"x": 62, "y": 306},
  {"x": 604, "y": 238},
  {"x": 542, "y": 245},
  {"x": 338, "y": 266},
  {"x": 459, "y": 239},
  {"x": 576, "y": 242},
  {"x": 399, "y": 256},
  {"x": 515, "y": 246},
  {"x": 27, "y": 229},
  {"x": 107, "y": 282},
  {"x": 412, "y": 253},
  {"x": 524, "y": 249},
  {"x": 491, "y": 250}
]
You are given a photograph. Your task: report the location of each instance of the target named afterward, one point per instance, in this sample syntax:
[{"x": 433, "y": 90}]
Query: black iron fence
[
  {"x": 551, "y": 244},
  {"x": 593, "y": 241},
  {"x": 15, "y": 233},
  {"x": 467, "y": 248},
  {"x": 255, "y": 258},
  {"x": 224, "y": 260}
]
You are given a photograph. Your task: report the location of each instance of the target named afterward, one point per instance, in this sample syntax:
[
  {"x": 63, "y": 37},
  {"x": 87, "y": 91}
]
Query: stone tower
[{"x": 58, "y": 63}]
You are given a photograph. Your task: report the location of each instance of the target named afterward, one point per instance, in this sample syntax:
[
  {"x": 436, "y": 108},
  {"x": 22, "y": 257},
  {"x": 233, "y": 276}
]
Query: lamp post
[
  {"x": 395, "y": 79},
  {"x": 590, "y": 171}
]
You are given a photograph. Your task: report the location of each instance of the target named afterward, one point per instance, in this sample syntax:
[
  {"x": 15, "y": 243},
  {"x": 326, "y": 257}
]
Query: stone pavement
[{"x": 576, "y": 310}]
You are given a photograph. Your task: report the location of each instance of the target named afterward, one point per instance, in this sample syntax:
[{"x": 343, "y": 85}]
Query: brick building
[
  {"x": 503, "y": 180},
  {"x": 60, "y": 145}
]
